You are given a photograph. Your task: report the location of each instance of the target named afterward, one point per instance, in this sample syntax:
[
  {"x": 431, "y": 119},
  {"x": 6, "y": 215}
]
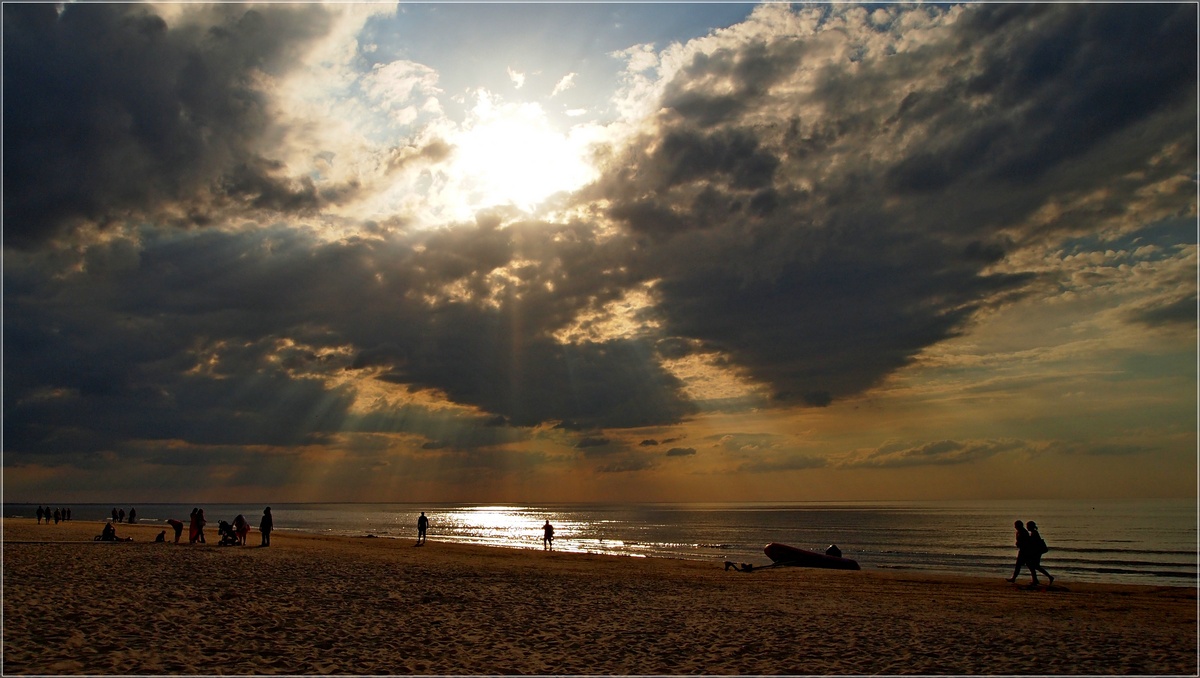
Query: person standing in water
[
  {"x": 265, "y": 526},
  {"x": 548, "y": 536},
  {"x": 422, "y": 528}
]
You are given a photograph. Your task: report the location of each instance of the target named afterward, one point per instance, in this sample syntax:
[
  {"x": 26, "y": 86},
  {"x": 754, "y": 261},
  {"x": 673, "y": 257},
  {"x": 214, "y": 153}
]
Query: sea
[{"x": 1136, "y": 542}]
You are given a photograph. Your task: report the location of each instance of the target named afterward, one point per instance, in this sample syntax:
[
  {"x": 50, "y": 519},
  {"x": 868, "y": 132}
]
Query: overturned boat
[{"x": 784, "y": 555}]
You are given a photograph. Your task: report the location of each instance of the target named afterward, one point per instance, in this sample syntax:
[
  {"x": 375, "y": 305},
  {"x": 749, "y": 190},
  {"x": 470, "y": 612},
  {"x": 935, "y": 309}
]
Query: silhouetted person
[
  {"x": 1022, "y": 551},
  {"x": 40, "y": 514},
  {"x": 177, "y": 525},
  {"x": 265, "y": 526},
  {"x": 162, "y": 537},
  {"x": 1033, "y": 554},
  {"x": 241, "y": 528},
  {"x": 200, "y": 523},
  {"x": 109, "y": 533},
  {"x": 121, "y": 516},
  {"x": 115, "y": 516},
  {"x": 422, "y": 528},
  {"x": 192, "y": 526},
  {"x": 548, "y": 536},
  {"x": 57, "y": 516},
  {"x": 132, "y": 515}
]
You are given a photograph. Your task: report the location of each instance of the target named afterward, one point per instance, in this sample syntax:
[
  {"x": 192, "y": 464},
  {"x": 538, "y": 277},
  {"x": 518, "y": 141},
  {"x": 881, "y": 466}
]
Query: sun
[{"x": 510, "y": 154}]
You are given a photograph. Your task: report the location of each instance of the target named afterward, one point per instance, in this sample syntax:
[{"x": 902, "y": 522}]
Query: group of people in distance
[
  {"x": 237, "y": 532},
  {"x": 1030, "y": 547},
  {"x": 57, "y": 514}
]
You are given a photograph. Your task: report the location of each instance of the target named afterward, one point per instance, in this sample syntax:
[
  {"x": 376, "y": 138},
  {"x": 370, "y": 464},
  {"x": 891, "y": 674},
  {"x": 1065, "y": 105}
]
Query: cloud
[
  {"x": 517, "y": 78},
  {"x": 681, "y": 452},
  {"x": 819, "y": 200},
  {"x": 566, "y": 83},
  {"x": 814, "y": 199},
  {"x": 124, "y": 115},
  {"x": 938, "y": 453}
]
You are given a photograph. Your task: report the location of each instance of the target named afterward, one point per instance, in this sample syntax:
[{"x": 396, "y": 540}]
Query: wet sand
[{"x": 319, "y": 605}]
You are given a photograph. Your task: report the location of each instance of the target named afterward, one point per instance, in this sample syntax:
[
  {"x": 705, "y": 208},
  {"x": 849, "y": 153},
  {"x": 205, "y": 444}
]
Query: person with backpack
[{"x": 1037, "y": 547}]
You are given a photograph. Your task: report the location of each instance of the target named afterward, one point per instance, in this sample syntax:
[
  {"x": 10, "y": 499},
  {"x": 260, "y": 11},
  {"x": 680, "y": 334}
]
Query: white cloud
[
  {"x": 518, "y": 78},
  {"x": 567, "y": 82}
]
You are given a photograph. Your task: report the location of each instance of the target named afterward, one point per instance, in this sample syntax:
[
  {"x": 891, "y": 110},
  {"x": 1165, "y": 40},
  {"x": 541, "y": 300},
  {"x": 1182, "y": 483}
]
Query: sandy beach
[{"x": 312, "y": 604}]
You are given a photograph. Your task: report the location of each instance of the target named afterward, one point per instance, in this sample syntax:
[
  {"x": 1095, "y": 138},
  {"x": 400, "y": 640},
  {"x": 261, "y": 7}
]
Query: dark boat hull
[{"x": 782, "y": 554}]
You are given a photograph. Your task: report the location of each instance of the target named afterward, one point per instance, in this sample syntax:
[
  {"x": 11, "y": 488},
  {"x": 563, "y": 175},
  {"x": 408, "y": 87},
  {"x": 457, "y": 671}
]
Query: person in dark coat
[
  {"x": 265, "y": 526},
  {"x": 1033, "y": 554},
  {"x": 1022, "y": 551}
]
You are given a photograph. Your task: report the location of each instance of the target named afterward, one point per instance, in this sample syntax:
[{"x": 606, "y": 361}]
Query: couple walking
[{"x": 1030, "y": 547}]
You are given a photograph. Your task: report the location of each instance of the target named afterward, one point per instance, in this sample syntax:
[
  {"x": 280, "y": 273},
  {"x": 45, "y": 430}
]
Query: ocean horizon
[{"x": 1115, "y": 541}]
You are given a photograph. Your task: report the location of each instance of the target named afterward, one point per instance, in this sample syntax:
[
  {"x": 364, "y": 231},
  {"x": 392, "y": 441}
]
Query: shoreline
[{"x": 314, "y": 603}]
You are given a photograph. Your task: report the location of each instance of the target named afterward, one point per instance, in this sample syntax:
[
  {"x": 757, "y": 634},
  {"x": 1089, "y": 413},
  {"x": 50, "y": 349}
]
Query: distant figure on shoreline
[
  {"x": 176, "y": 525},
  {"x": 547, "y": 536},
  {"x": 1037, "y": 546},
  {"x": 40, "y": 514},
  {"x": 265, "y": 526},
  {"x": 116, "y": 517},
  {"x": 1022, "y": 550},
  {"x": 200, "y": 523},
  {"x": 132, "y": 516},
  {"x": 422, "y": 528}
]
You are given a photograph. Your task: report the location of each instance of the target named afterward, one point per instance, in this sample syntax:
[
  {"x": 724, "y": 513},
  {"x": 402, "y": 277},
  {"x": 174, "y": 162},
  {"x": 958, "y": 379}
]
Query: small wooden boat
[{"x": 782, "y": 554}]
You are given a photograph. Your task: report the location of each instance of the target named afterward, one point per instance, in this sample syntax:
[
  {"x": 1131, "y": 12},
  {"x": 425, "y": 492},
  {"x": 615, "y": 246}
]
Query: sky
[{"x": 599, "y": 252}]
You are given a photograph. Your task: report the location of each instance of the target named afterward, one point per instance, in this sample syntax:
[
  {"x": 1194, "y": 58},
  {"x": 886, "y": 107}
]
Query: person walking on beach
[
  {"x": 1022, "y": 551},
  {"x": 132, "y": 516},
  {"x": 422, "y": 528},
  {"x": 1033, "y": 554},
  {"x": 265, "y": 526},
  {"x": 191, "y": 526},
  {"x": 40, "y": 514},
  {"x": 547, "y": 537}
]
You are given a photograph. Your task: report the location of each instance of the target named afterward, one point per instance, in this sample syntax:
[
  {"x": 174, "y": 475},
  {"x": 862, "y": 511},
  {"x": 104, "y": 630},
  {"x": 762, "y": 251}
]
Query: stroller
[{"x": 228, "y": 536}]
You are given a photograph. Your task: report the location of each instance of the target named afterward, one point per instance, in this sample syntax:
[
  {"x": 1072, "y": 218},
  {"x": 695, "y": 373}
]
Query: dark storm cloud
[
  {"x": 214, "y": 337},
  {"x": 110, "y": 113},
  {"x": 819, "y": 226},
  {"x": 681, "y": 452}
]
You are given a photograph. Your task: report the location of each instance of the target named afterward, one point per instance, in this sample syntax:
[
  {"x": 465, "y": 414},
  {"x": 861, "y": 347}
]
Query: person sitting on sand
[
  {"x": 161, "y": 538},
  {"x": 548, "y": 536},
  {"x": 110, "y": 534}
]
